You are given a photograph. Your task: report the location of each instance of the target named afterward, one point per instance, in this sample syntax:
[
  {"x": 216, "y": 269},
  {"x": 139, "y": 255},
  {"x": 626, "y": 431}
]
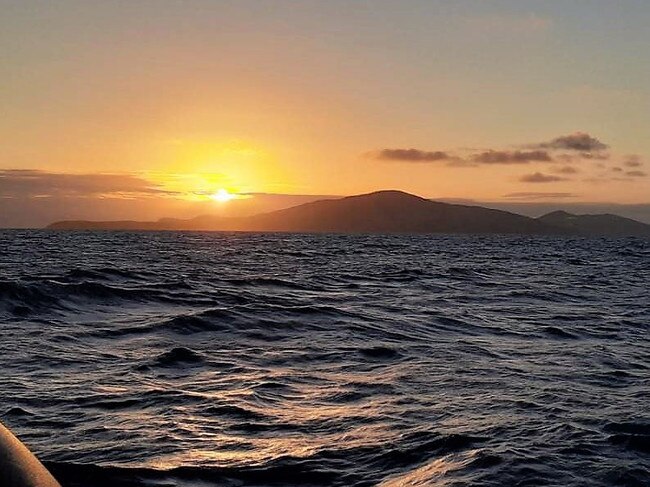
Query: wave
[
  {"x": 631, "y": 435},
  {"x": 176, "y": 356},
  {"x": 320, "y": 469},
  {"x": 380, "y": 353},
  {"x": 209, "y": 359}
]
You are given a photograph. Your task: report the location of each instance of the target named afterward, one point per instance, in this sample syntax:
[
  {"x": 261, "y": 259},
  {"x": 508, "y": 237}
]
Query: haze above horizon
[{"x": 149, "y": 109}]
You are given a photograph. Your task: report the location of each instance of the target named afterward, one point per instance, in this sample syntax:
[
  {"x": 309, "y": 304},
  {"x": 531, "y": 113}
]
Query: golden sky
[{"x": 173, "y": 101}]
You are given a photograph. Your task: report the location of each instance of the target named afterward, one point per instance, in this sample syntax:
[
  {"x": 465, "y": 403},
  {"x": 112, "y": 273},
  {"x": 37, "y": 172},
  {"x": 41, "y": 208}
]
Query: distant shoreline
[{"x": 385, "y": 212}]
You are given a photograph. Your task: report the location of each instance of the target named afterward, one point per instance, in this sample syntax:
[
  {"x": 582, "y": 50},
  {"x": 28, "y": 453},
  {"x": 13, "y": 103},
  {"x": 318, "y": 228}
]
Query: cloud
[
  {"x": 512, "y": 157},
  {"x": 27, "y": 183},
  {"x": 567, "y": 170},
  {"x": 411, "y": 155},
  {"x": 596, "y": 156},
  {"x": 561, "y": 156},
  {"x": 578, "y": 141},
  {"x": 633, "y": 161},
  {"x": 538, "y": 177},
  {"x": 485, "y": 157},
  {"x": 539, "y": 196}
]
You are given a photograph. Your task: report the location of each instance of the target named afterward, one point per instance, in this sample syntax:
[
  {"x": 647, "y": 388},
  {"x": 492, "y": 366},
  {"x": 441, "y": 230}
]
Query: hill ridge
[{"x": 384, "y": 211}]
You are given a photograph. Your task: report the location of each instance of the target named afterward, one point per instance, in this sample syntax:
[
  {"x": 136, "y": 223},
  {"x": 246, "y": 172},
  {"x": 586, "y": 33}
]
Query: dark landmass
[
  {"x": 385, "y": 212},
  {"x": 607, "y": 224}
]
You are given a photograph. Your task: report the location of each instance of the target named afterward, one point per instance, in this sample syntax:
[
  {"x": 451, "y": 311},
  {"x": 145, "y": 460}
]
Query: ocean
[{"x": 216, "y": 359}]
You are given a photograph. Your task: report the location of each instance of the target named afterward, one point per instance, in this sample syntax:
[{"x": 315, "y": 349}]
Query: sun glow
[{"x": 222, "y": 196}]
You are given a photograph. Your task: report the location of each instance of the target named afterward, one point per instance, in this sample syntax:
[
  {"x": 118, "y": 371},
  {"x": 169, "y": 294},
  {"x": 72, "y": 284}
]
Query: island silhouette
[{"x": 388, "y": 211}]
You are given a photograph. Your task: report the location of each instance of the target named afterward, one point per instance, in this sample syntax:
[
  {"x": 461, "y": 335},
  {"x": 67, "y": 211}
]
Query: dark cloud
[
  {"x": 538, "y": 177},
  {"x": 539, "y": 196},
  {"x": 21, "y": 183},
  {"x": 603, "y": 179},
  {"x": 563, "y": 157},
  {"x": 485, "y": 157},
  {"x": 579, "y": 156},
  {"x": 411, "y": 155},
  {"x": 578, "y": 141},
  {"x": 566, "y": 148},
  {"x": 511, "y": 157}
]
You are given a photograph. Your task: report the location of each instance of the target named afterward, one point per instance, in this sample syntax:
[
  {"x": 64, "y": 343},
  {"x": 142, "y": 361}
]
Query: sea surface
[{"x": 215, "y": 359}]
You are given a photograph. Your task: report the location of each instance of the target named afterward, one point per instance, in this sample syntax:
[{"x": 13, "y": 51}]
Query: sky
[{"x": 143, "y": 109}]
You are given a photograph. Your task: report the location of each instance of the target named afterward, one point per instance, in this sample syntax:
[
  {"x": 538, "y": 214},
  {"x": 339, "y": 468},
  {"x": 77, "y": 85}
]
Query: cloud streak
[
  {"x": 511, "y": 157},
  {"x": 538, "y": 177},
  {"x": 539, "y": 196},
  {"x": 567, "y": 170},
  {"x": 560, "y": 157},
  {"x": 27, "y": 183},
  {"x": 411, "y": 155},
  {"x": 633, "y": 161},
  {"x": 567, "y": 148},
  {"x": 485, "y": 157}
]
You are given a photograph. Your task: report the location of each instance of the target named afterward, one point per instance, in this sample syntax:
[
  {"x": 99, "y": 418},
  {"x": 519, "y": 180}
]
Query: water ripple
[{"x": 140, "y": 359}]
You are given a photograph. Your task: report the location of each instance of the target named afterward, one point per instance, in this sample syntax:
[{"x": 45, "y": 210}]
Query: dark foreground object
[{"x": 18, "y": 466}]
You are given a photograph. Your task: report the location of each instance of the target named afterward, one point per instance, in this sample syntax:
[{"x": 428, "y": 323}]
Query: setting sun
[
  {"x": 342, "y": 243},
  {"x": 222, "y": 196}
]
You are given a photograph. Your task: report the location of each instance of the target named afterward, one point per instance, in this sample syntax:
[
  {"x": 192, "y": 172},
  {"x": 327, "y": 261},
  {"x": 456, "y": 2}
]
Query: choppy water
[{"x": 130, "y": 359}]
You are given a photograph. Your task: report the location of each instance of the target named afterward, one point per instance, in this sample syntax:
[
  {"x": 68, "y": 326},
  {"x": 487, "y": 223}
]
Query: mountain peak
[
  {"x": 606, "y": 224},
  {"x": 388, "y": 194},
  {"x": 390, "y": 211},
  {"x": 557, "y": 214}
]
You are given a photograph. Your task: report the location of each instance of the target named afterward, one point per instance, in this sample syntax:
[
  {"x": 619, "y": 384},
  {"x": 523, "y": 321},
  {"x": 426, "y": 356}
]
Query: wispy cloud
[
  {"x": 410, "y": 155},
  {"x": 565, "y": 148},
  {"x": 450, "y": 159},
  {"x": 539, "y": 196},
  {"x": 566, "y": 170},
  {"x": 633, "y": 161},
  {"x": 554, "y": 160},
  {"x": 24, "y": 183},
  {"x": 511, "y": 157},
  {"x": 538, "y": 177}
]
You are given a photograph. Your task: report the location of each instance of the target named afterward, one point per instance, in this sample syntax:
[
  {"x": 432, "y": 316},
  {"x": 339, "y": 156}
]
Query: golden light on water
[{"x": 433, "y": 473}]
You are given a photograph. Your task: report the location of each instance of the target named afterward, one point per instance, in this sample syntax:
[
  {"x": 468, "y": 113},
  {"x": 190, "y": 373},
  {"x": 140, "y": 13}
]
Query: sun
[{"x": 222, "y": 196}]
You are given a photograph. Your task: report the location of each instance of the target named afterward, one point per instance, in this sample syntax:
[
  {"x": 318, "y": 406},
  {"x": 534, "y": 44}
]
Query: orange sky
[{"x": 279, "y": 97}]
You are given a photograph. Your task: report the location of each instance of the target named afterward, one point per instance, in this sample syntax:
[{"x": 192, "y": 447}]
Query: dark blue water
[{"x": 189, "y": 359}]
